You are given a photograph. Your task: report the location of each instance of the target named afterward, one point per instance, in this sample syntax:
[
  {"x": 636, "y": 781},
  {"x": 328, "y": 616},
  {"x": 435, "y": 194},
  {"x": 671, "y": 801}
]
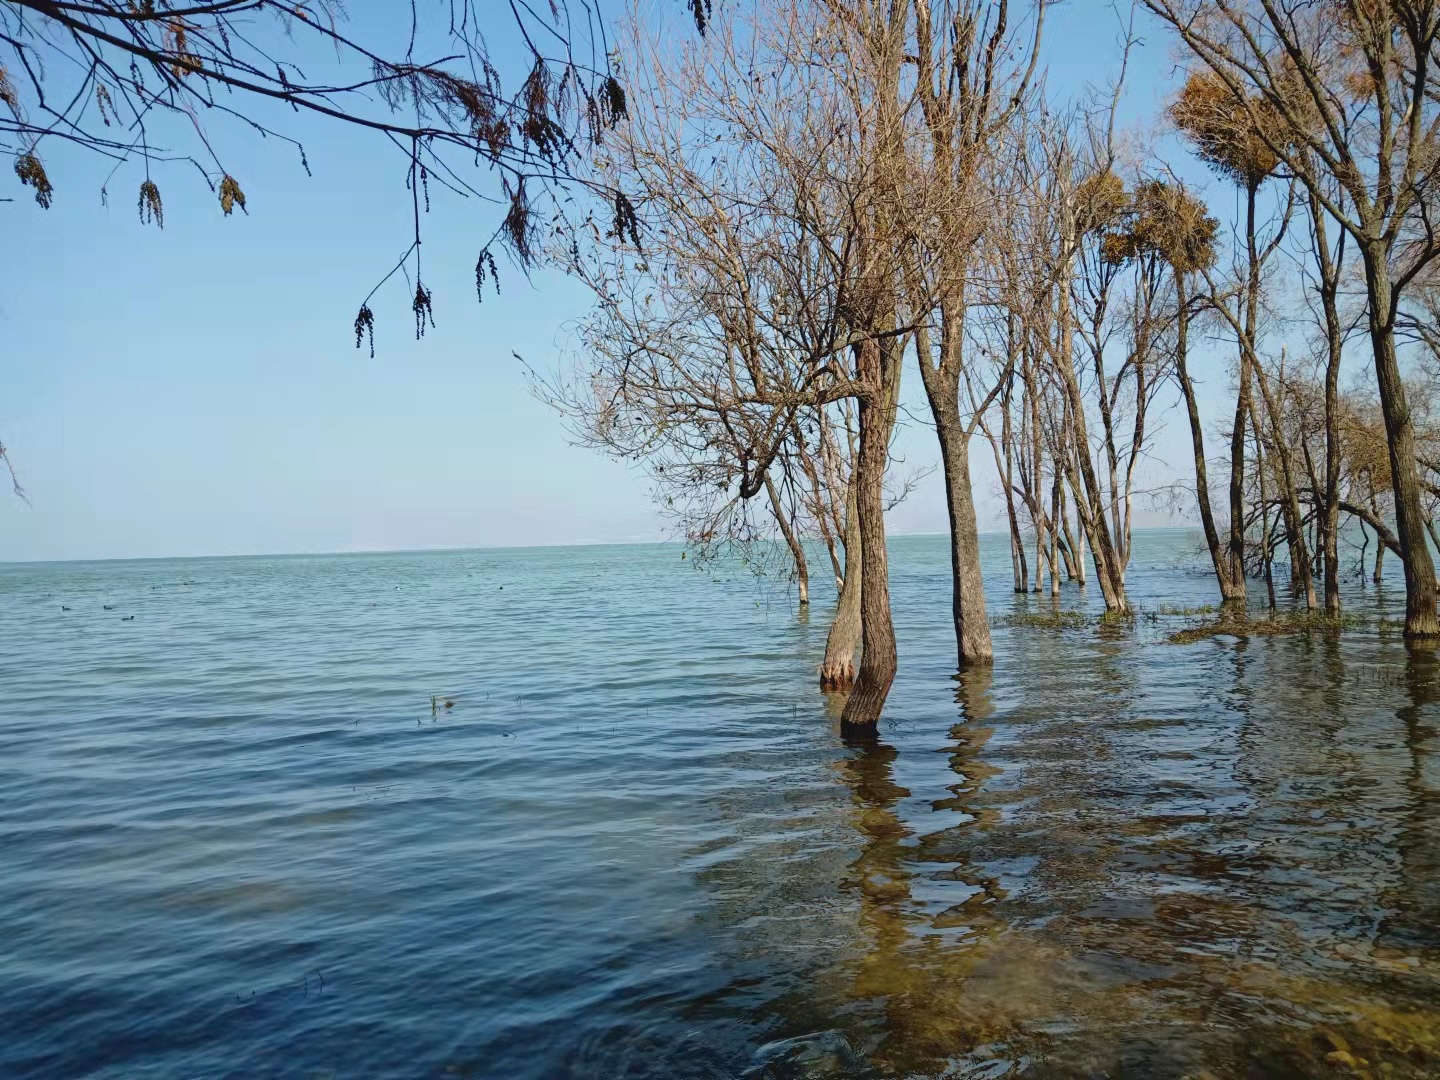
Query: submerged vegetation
[
  {"x": 1278, "y": 622},
  {"x": 1264, "y": 623}
]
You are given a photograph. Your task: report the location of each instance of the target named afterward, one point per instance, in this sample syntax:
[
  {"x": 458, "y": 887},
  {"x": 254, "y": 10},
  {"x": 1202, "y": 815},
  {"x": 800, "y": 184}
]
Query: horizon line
[{"x": 453, "y": 550}]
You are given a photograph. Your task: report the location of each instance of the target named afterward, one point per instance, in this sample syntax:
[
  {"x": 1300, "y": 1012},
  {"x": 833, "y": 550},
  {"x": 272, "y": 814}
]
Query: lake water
[{"x": 236, "y": 839}]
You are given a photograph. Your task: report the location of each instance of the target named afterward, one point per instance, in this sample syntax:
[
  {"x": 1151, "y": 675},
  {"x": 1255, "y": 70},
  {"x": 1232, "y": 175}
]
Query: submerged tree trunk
[
  {"x": 1301, "y": 578},
  {"x": 837, "y": 670},
  {"x": 1329, "y": 525},
  {"x": 1421, "y": 621},
  {"x": 1089, "y": 497},
  {"x": 1070, "y": 551},
  {"x": 792, "y": 540},
  {"x": 972, "y": 628},
  {"x": 1267, "y": 561},
  {"x": 877, "y": 369},
  {"x": 1218, "y": 558}
]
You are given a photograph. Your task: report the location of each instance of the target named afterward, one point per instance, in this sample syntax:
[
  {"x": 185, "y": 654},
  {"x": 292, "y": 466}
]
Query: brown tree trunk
[
  {"x": 1074, "y": 557},
  {"x": 1302, "y": 580},
  {"x": 792, "y": 540},
  {"x": 1218, "y": 557},
  {"x": 1267, "y": 561},
  {"x": 972, "y": 628},
  {"x": 1089, "y": 498},
  {"x": 877, "y": 369},
  {"x": 837, "y": 670},
  {"x": 1420, "y": 615},
  {"x": 1235, "y": 553},
  {"x": 1335, "y": 342}
]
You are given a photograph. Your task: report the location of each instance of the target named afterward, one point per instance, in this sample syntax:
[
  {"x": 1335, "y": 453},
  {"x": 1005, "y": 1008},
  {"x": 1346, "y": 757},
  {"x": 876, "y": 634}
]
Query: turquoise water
[{"x": 237, "y": 837}]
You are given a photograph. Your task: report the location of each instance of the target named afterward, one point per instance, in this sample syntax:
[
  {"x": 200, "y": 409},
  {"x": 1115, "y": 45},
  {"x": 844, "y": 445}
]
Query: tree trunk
[
  {"x": 1267, "y": 561},
  {"x": 972, "y": 629},
  {"x": 1089, "y": 499},
  {"x": 1235, "y": 561},
  {"x": 1218, "y": 558},
  {"x": 1420, "y": 615},
  {"x": 1074, "y": 557},
  {"x": 1054, "y": 553},
  {"x": 797, "y": 549},
  {"x": 878, "y": 373},
  {"x": 1302, "y": 581},
  {"x": 1335, "y": 342},
  {"x": 837, "y": 670}
]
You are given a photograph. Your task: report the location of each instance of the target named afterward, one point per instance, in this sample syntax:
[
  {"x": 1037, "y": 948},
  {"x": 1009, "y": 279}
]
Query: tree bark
[
  {"x": 1335, "y": 343},
  {"x": 1235, "y": 553},
  {"x": 1421, "y": 621},
  {"x": 972, "y": 628},
  {"x": 877, "y": 369},
  {"x": 942, "y": 390},
  {"x": 1218, "y": 557},
  {"x": 792, "y": 540},
  {"x": 1301, "y": 577},
  {"x": 837, "y": 670},
  {"x": 1266, "y": 559}
]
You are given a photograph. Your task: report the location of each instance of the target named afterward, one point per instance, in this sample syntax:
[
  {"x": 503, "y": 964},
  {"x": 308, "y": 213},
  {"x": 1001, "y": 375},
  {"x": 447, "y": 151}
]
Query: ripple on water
[{"x": 236, "y": 839}]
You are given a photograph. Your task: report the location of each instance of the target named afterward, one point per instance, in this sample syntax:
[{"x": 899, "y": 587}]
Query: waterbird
[
  {"x": 127, "y": 618},
  {"x": 108, "y": 607},
  {"x": 64, "y": 608}
]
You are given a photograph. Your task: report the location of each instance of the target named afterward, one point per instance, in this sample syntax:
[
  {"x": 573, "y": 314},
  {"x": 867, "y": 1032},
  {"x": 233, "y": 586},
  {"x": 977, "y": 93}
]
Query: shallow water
[{"x": 236, "y": 840}]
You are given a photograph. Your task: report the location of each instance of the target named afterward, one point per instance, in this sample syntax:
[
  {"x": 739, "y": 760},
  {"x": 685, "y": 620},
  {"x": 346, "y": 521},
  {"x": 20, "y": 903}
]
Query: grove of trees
[{"x": 826, "y": 188}]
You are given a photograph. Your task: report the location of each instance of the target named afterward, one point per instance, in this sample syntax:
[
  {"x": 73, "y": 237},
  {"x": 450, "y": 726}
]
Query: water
[{"x": 237, "y": 840}]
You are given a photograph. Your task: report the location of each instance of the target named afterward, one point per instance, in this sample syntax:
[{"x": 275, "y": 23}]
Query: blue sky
[{"x": 196, "y": 390}]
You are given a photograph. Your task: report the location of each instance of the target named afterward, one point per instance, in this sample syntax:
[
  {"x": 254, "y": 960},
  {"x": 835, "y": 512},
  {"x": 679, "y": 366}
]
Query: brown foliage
[
  {"x": 1165, "y": 219},
  {"x": 1223, "y": 130}
]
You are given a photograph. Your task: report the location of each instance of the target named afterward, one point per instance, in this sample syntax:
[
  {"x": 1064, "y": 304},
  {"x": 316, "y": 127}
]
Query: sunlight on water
[{"x": 581, "y": 813}]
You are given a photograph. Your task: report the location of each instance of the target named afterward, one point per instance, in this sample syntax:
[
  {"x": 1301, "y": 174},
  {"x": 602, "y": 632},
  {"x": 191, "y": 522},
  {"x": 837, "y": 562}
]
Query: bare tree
[
  {"x": 1343, "y": 95},
  {"x": 975, "y": 64},
  {"x": 729, "y": 351}
]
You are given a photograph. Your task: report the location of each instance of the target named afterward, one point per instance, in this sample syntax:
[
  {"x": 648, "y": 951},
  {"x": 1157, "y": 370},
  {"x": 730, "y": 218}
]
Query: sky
[{"x": 196, "y": 390}]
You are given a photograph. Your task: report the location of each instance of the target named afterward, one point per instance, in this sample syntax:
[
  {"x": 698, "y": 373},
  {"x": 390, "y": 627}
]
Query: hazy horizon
[{"x": 941, "y": 534}]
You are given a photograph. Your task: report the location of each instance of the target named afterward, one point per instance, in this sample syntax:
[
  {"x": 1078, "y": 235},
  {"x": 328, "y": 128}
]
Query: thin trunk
[
  {"x": 1197, "y": 445},
  {"x": 1089, "y": 500},
  {"x": 1334, "y": 340},
  {"x": 1235, "y": 566},
  {"x": 792, "y": 540},
  {"x": 1420, "y": 593},
  {"x": 1267, "y": 562},
  {"x": 1074, "y": 557},
  {"x": 1055, "y": 494},
  {"x": 1290, "y": 499}
]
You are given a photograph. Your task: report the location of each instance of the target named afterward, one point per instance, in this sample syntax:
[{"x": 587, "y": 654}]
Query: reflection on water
[{"x": 234, "y": 839}]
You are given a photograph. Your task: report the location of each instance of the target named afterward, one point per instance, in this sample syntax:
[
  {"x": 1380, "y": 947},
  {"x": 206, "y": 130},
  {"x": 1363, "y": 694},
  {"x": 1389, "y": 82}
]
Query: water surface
[{"x": 238, "y": 838}]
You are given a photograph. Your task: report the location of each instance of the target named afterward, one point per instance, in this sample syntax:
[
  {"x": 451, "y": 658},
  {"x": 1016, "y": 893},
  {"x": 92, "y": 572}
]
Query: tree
[
  {"x": 729, "y": 350},
  {"x": 975, "y": 65},
  {"x": 1342, "y": 93}
]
